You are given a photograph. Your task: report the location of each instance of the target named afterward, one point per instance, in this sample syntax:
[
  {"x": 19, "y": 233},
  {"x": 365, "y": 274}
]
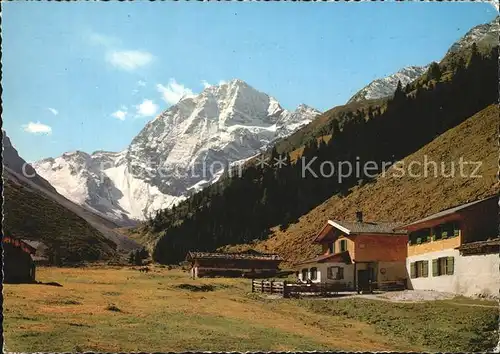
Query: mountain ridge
[
  {"x": 386, "y": 86},
  {"x": 31, "y": 184},
  {"x": 183, "y": 149},
  {"x": 486, "y": 34}
]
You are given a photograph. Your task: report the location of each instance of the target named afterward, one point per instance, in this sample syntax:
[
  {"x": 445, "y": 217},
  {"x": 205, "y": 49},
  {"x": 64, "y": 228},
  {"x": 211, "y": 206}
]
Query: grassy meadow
[{"x": 121, "y": 309}]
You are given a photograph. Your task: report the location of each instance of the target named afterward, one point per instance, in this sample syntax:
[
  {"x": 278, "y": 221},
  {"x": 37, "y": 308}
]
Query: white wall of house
[
  {"x": 322, "y": 272},
  {"x": 479, "y": 275},
  {"x": 476, "y": 275}
]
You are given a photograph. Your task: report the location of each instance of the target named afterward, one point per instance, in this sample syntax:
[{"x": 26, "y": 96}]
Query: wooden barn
[
  {"x": 250, "y": 264},
  {"x": 40, "y": 256},
  {"x": 18, "y": 264}
]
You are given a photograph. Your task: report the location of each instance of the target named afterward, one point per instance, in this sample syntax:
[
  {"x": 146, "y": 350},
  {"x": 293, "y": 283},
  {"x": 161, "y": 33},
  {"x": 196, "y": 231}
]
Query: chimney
[{"x": 359, "y": 216}]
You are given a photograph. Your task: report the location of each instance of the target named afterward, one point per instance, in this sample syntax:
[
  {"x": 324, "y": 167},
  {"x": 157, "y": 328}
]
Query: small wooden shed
[
  {"x": 250, "y": 264},
  {"x": 18, "y": 264}
]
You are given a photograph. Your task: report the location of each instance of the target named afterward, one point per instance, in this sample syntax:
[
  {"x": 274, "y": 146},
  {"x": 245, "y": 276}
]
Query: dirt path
[{"x": 402, "y": 297}]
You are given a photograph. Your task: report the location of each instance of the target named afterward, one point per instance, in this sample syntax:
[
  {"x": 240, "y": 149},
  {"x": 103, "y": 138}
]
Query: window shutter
[
  {"x": 435, "y": 269},
  {"x": 425, "y": 269},
  {"x": 450, "y": 265},
  {"x": 413, "y": 270}
]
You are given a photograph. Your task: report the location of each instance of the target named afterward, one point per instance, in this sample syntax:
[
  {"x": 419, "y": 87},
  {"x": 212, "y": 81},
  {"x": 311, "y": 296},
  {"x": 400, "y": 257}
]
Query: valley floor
[{"x": 121, "y": 309}]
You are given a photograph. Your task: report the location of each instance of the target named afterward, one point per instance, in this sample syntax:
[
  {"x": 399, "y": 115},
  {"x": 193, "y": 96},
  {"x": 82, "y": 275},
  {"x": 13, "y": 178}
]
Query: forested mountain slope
[
  {"x": 33, "y": 210},
  {"x": 406, "y": 198},
  {"x": 242, "y": 209}
]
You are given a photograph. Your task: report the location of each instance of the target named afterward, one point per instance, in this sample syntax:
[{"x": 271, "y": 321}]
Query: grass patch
[
  {"x": 111, "y": 293},
  {"x": 462, "y": 300},
  {"x": 61, "y": 302},
  {"x": 178, "y": 315},
  {"x": 435, "y": 325},
  {"x": 196, "y": 288},
  {"x": 113, "y": 308}
]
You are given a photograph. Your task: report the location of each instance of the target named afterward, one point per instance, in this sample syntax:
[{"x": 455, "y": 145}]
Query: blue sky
[{"x": 89, "y": 75}]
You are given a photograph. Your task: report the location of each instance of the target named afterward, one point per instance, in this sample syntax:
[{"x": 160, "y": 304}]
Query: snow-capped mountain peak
[
  {"x": 184, "y": 148},
  {"x": 386, "y": 86},
  {"x": 485, "y": 34}
]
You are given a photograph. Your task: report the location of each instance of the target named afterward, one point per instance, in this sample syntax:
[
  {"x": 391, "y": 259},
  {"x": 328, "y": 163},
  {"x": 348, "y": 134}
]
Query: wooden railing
[
  {"x": 268, "y": 286},
  {"x": 323, "y": 289},
  {"x": 288, "y": 289},
  {"x": 391, "y": 285}
]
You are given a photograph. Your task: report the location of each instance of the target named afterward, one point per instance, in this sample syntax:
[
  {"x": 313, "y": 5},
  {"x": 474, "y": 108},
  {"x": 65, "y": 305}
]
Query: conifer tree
[{"x": 434, "y": 71}]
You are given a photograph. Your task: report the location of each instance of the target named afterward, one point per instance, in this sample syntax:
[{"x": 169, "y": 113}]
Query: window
[
  {"x": 450, "y": 229},
  {"x": 304, "y": 274},
  {"x": 443, "y": 266},
  {"x": 343, "y": 245},
  {"x": 419, "y": 269},
  {"x": 436, "y": 233},
  {"x": 335, "y": 273},
  {"x": 314, "y": 273},
  {"x": 420, "y": 236},
  {"x": 331, "y": 247}
]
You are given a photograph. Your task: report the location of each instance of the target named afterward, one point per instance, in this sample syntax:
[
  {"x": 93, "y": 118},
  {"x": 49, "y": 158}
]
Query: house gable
[
  {"x": 376, "y": 247},
  {"x": 451, "y": 228}
]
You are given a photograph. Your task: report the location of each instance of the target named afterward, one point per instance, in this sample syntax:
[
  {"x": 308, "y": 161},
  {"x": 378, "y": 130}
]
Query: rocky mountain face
[
  {"x": 185, "y": 148},
  {"x": 16, "y": 163},
  {"x": 386, "y": 86},
  {"x": 486, "y": 34}
]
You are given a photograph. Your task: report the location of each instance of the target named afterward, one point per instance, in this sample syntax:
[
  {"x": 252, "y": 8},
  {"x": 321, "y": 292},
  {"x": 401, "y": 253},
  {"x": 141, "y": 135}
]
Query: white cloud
[
  {"x": 101, "y": 39},
  {"x": 120, "y": 114},
  {"x": 141, "y": 83},
  {"x": 147, "y": 108},
  {"x": 207, "y": 84},
  {"x": 53, "y": 111},
  {"x": 37, "y": 128},
  {"x": 129, "y": 60},
  {"x": 174, "y": 91}
]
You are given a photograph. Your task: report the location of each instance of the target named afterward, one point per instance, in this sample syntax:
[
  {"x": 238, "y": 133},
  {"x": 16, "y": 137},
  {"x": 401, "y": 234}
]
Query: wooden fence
[
  {"x": 291, "y": 289},
  {"x": 391, "y": 285},
  {"x": 268, "y": 286}
]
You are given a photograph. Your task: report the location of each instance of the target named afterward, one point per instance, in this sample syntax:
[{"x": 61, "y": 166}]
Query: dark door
[{"x": 364, "y": 280}]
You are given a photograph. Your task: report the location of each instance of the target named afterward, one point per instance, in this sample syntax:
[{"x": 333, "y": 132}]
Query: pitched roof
[
  {"x": 356, "y": 227},
  {"x": 17, "y": 242},
  {"x": 448, "y": 211},
  {"x": 329, "y": 258},
  {"x": 240, "y": 255},
  {"x": 32, "y": 243},
  {"x": 479, "y": 244}
]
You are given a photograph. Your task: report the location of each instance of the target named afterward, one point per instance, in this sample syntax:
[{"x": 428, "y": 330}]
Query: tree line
[{"x": 242, "y": 209}]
